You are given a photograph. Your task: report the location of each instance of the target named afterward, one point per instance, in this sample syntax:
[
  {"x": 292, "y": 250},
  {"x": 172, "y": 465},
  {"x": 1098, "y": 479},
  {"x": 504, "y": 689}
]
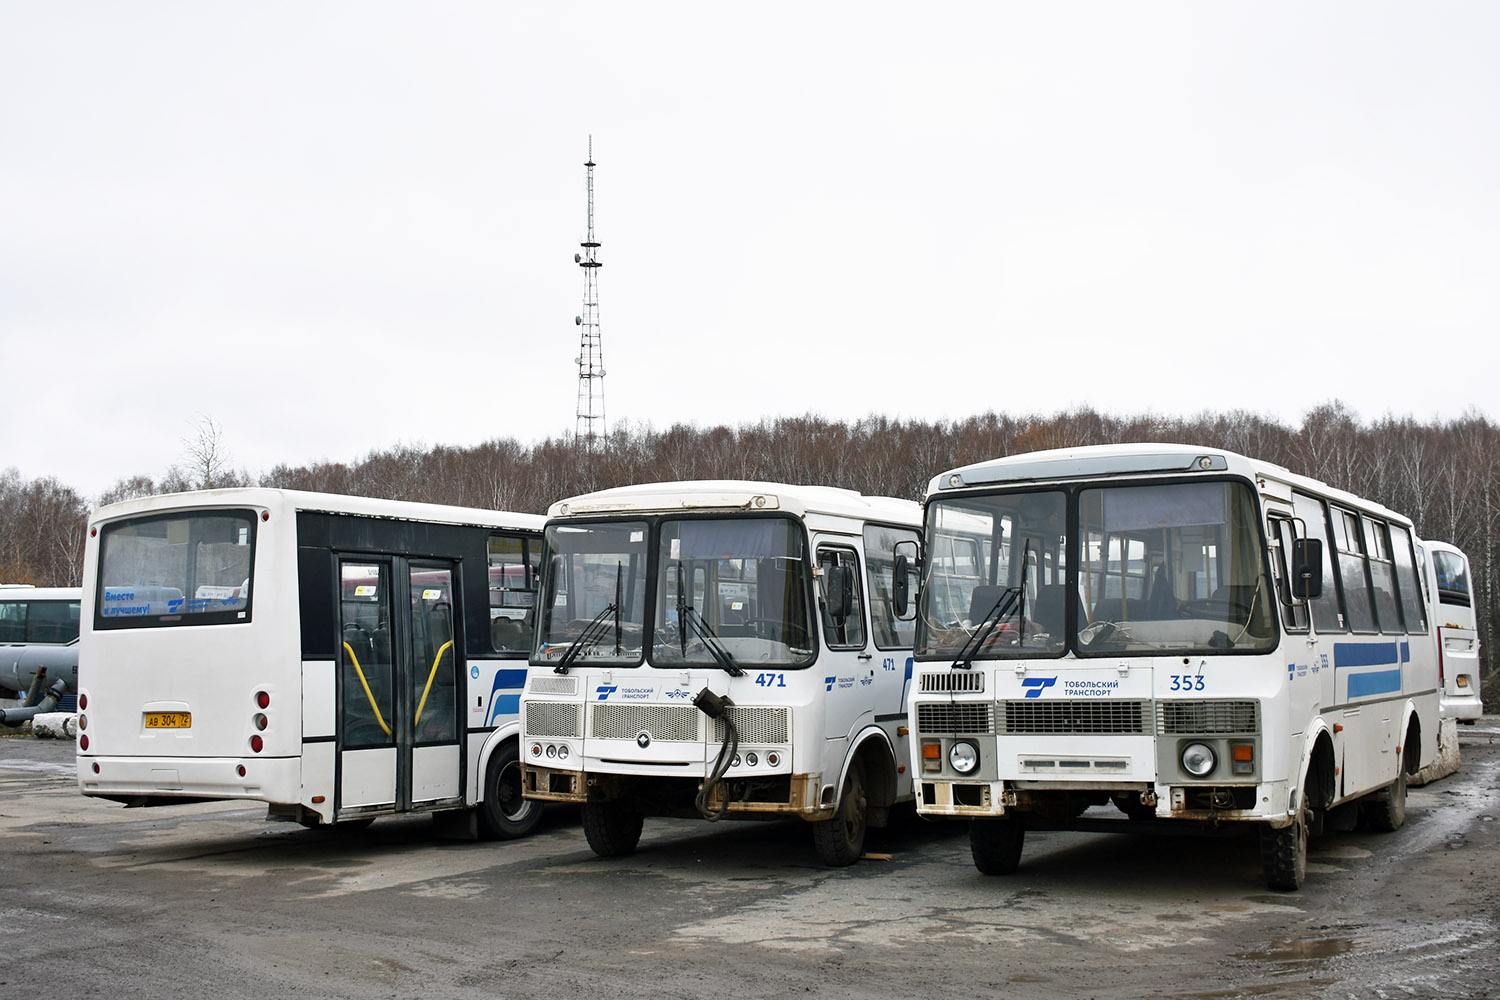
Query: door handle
[{"x": 867, "y": 656}]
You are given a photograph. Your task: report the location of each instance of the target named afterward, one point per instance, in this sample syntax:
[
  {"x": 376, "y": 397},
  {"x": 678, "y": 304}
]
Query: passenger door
[{"x": 400, "y": 659}]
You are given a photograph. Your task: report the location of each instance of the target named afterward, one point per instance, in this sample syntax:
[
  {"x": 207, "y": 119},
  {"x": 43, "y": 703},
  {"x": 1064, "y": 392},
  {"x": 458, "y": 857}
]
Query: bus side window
[
  {"x": 1413, "y": 610},
  {"x": 514, "y": 565},
  {"x": 1294, "y": 611},
  {"x": 881, "y": 543},
  {"x": 839, "y": 598},
  {"x": 1327, "y": 614}
]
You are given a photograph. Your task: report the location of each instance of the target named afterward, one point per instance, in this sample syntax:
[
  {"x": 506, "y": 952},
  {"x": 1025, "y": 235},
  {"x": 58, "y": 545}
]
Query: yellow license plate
[{"x": 169, "y": 720}]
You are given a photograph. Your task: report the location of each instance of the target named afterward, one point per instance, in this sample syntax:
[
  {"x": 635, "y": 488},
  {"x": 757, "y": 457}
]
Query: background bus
[
  {"x": 1446, "y": 575},
  {"x": 722, "y": 648},
  {"x": 38, "y": 632},
  {"x": 1180, "y": 632},
  {"x": 338, "y": 658}
]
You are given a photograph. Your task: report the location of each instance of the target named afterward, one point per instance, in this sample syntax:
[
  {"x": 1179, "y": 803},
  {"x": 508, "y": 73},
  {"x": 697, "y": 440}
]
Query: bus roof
[
  {"x": 735, "y": 495},
  {"x": 1143, "y": 459},
  {"x": 26, "y": 592},
  {"x": 300, "y": 500}
]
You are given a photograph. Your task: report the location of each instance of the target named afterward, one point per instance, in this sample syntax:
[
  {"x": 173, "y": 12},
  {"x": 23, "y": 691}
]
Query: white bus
[
  {"x": 1446, "y": 574},
  {"x": 338, "y": 658},
  {"x": 722, "y": 648},
  {"x": 1170, "y": 633},
  {"x": 38, "y": 650}
]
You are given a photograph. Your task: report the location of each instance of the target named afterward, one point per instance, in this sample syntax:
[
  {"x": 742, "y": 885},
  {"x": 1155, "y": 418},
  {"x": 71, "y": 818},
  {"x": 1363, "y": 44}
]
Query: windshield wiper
[
  {"x": 592, "y": 633},
  {"x": 1008, "y": 602},
  {"x": 690, "y": 618}
]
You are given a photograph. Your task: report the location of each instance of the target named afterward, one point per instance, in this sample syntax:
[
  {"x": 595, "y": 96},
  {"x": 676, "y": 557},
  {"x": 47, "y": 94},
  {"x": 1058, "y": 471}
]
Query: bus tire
[
  {"x": 841, "y": 840},
  {"x": 613, "y": 829},
  {"x": 1385, "y": 811},
  {"x": 503, "y": 813},
  {"x": 1283, "y": 852},
  {"x": 996, "y": 843}
]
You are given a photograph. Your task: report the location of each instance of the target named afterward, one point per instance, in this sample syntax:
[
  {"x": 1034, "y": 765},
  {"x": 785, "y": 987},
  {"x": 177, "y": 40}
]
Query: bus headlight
[
  {"x": 1198, "y": 759},
  {"x": 964, "y": 757}
]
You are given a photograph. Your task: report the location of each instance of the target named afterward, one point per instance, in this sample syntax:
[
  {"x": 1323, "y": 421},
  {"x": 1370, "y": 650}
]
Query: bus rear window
[{"x": 180, "y": 569}]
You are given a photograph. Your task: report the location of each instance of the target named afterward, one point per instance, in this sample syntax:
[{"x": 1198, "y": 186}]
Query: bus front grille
[
  {"x": 552, "y": 719},
  {"x": 755, "y": 724},
  {"x": 1219, "y": 717},
  {"x": 954, "y": 682},
  {"x": 673, "y": 723},
  {"x": 1093, "y": 717},
  {"x": 956, "y": 718}
]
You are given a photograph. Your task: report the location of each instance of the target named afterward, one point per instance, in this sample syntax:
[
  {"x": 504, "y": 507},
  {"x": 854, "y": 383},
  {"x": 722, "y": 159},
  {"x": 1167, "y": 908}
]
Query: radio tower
[{"x": 590, "y": 426}]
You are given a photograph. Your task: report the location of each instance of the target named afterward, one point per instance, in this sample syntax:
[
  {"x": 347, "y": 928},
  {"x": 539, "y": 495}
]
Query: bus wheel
[
  {"x": 1385, "y": 811},
  {"x": 613, "y": 829},
  {"x": 996, "y": 843},
  {"x": 503, "y": 813},
  {"x": 841, "y": 840},
  {"x": 1283, "y": 852}
]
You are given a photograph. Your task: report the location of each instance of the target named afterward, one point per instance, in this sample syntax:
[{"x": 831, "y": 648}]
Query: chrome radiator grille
[
  {"x": 544, "y": 718},
  {"x": 973, "y": 717},
  {"x": 755, "y": 724},
  {"x": 1191, "y": 717},
  {"x": 677, "y": 723},
  {"x": 1076, "y": 717}
]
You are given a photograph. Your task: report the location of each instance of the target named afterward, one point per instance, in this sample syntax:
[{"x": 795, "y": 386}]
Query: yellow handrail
[
  {"x": 366, "y": 685},
  {"x": 432, "y": 675}
]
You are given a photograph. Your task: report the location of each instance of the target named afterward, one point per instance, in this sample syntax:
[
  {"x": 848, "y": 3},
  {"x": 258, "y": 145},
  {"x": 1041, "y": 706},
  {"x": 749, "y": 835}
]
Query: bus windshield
[
  {"x": 735, "y": 586},
  {"x": 595, "y": 593},
  {"x": 182, "y": 569},
  {"x": 1166, "y": 568}
]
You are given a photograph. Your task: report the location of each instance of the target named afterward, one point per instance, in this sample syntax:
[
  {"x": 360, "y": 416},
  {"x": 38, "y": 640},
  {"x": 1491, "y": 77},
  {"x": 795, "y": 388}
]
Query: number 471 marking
[{"x": 771, "y": 680}]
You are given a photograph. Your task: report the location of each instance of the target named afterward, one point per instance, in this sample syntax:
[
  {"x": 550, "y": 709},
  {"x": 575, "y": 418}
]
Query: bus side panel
[
  {"x": 368, "y": 778},
  {"x": 317, "y": 777},
  {"x": 318, "y": 699}
]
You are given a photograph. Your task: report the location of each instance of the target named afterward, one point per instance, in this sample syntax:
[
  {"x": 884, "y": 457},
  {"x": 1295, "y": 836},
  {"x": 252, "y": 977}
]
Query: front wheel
[
  {"x": 841, "y": 840},
  {"x": 995, "y": 844},
  {"x": 613, "y": 829},
  {"x": 503, "y": 813},
  {"x": 1283, "y": 852}
]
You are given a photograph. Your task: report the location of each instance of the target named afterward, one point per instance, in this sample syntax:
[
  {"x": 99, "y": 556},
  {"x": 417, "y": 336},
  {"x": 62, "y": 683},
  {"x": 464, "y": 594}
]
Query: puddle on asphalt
[{"x": 1298, "y": 949}]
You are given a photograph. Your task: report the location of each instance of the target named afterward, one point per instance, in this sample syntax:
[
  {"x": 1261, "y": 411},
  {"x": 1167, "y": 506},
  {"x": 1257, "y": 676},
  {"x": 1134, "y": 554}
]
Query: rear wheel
[
  {"x": 503, "y": 813},
  {"x": 1283, "y": 852},
  {"x": 1386, "y": 810},
  {"x": 996, "y": 843},
  {"x": 841, "y": 840},
  {"x": 613, "y": 829}
]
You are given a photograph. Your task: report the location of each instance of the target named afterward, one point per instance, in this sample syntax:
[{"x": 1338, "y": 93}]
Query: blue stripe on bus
[
  {"x": 1369, "y": 654},
  {"x": 1374, "y": 682},
  {"x": 507, "y": 679}
]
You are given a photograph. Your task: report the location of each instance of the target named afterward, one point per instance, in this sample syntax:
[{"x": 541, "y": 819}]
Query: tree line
[{"x": 1444, "y": 475}]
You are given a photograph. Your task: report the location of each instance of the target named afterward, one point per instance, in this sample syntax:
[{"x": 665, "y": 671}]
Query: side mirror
[
  {"x": 901, "y": 574},
  {"x": 838, "y": 589},
  {"x": 1307, "y": 568}
]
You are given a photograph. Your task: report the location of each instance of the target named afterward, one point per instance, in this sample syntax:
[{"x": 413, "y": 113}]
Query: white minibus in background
[
  {"x": 338, "y": 658},
  {"x": 1172, "y": 633},
  {"x": 1446, "y": 574},
  {"x": 722, "y": 648},
  {"x": 38, "y": 631}
]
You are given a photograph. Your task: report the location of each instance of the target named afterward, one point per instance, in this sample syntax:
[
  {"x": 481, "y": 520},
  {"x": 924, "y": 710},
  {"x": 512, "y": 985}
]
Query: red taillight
[
  {"x": 240, "y": 770},
  {"x": 96, "y": 767},
  {"x": 83, "y": 742},
  {"x": 93, "y": 532},
  {"x": 263, "y": 699},
  {"x": 83, "y": 702},
  {"x": 261, "y": 722},
  {"x": 265, "y": 515},
  {"x": 83, "y": 721},
  {"x": 256, "y": 743}
]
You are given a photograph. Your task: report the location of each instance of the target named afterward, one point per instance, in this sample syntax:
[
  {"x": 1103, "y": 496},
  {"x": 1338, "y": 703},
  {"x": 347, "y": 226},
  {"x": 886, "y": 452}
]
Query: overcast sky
[{"x": 337, "y": 227}]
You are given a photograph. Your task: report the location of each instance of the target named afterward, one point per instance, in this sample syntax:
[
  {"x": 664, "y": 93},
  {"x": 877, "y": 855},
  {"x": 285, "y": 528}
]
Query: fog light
[
  {"x": 964, "y": 757},
  {"x": 1198, "y": 759},
  {"x": 551, "y": 751},
  {"x": 562, "y": 752},
  {"x": 773, "y": 758},
  {"x": 751, "y": 759}
]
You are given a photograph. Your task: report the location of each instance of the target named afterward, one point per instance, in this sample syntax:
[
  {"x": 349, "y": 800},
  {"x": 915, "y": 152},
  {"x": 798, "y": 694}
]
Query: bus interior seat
[
  {"x": 1051, "y": 607},
  {"x": 982, "y": 602},
  {"x": 1117, "y": 609},
  {"x": 1163, "y": 602}
]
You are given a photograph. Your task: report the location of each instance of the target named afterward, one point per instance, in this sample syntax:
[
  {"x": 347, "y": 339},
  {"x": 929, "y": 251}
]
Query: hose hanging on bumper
[{"x": 716, "y": 707}]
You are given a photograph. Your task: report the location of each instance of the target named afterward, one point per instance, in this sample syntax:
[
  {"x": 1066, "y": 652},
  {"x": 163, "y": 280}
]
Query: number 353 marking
[{"x": 1187, "y": 682}]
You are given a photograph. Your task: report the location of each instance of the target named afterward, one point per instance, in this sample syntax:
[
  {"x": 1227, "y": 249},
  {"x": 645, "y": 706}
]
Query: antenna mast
[{"x": 590, "y": 424}]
